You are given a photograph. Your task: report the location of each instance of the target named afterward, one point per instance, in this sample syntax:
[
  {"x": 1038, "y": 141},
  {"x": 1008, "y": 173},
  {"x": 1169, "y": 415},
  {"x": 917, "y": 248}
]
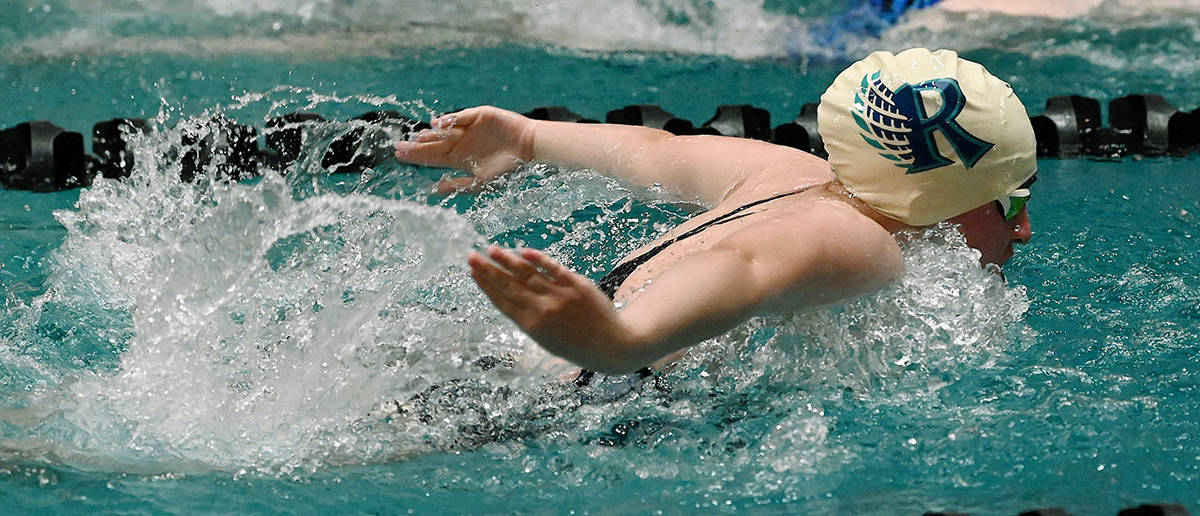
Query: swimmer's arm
[
  {"x": 570, "y": 317},
  {"x": 488, "y": 142},
  {"x": 830, "y": 258},
  {"x": 706, "y": 168}
]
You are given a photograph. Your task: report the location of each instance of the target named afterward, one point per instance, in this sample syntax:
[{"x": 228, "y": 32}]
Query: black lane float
[{"x": 43, "y": 157}]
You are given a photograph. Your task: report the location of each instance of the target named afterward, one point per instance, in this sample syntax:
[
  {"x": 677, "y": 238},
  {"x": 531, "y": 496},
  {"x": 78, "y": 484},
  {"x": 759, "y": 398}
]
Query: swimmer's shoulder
[
  {"x": 799, "y": 171},
  {"x": 819, "y": 249}
]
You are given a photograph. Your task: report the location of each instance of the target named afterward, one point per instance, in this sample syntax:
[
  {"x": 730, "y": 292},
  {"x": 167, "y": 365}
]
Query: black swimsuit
[{"x": 613, "y": 280}]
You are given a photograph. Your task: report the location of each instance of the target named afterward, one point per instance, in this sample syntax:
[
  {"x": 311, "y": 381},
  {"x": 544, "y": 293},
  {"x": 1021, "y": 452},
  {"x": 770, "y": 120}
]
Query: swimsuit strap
[{"x": 611, "y": 281}]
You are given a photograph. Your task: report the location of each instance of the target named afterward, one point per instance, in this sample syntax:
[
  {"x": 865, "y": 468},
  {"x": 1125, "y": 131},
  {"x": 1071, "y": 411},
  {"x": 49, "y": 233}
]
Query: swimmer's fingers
[
  {"x": 449, "y": 185},
  {"x": 430, "y": 148},
  {"x": 460, "y": 119},
  {"x": 572, "y": 318},
  {"x": 429, "y": 136},
  {"x": 487, "y": 142},
  {"x": 521, "y": 270},
  {"x": 436, "y": 146},
  {"x": 552, "y": 270},
  {"x": 505, "y": 292}
]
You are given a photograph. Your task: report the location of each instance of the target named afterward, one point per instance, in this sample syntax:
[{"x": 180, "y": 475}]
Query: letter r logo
[{"x": 922, "y": 125}]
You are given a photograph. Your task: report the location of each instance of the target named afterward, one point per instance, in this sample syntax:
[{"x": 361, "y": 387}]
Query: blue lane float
[{"x": 40, "y": 156}]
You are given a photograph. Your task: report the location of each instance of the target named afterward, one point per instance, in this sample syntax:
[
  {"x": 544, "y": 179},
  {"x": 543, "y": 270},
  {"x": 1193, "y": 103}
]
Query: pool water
[{"x": 310, "y": 342}]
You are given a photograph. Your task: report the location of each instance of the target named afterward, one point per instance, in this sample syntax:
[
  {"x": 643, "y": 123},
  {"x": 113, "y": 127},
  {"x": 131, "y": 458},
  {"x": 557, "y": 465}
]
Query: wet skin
[{"x": 986, "y": 230}]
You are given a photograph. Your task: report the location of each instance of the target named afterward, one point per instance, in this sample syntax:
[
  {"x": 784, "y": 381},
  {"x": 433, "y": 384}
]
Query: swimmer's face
[{"x": 987, "y": 231}]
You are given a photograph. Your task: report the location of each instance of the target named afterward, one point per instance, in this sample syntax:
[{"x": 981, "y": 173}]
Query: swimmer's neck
[{"x": 835, "y": 189}]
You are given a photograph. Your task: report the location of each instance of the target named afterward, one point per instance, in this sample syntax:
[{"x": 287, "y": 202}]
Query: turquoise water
[{"x": 244, "y": 347}]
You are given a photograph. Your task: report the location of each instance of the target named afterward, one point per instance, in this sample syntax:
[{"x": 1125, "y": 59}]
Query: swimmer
[
  {"x": 891, "y": 10},
  {"x": 1062, "y": 9},
  {"x": 842, "y": 33},
  {"x": 914, "y": 139}
]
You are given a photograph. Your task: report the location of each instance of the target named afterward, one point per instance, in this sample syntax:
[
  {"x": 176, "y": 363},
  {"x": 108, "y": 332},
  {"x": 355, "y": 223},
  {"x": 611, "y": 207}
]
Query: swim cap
[{"x": 924, "y": 136}]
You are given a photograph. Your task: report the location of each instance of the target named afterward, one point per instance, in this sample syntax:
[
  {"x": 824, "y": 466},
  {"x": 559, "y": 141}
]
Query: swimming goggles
[{"x": 1012, "y": 204}]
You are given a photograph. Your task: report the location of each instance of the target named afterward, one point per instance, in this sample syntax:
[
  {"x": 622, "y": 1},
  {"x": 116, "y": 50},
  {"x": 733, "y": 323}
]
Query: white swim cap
[{"x": 924, "y": 136}]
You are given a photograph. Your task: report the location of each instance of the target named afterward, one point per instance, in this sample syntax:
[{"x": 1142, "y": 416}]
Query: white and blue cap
[{"x": 924, "y": 136}]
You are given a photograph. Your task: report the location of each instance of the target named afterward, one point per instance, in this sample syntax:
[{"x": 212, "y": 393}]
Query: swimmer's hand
[
  {"x": 485, "y": 141},
  {"x": 563, "y": 311}
]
